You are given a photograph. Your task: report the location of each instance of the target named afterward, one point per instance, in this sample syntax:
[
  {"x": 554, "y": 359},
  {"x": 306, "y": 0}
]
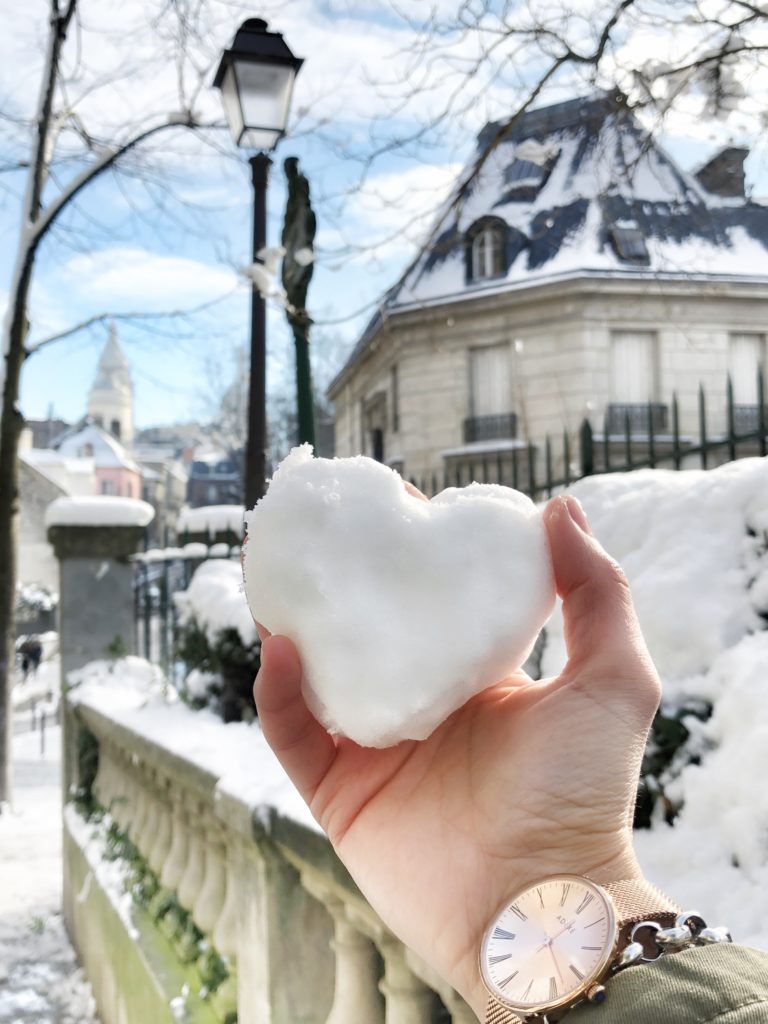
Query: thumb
[{"x": 602, "y": 634}]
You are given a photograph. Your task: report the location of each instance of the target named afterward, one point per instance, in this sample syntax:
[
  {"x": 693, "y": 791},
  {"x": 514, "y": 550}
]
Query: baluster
[
  {"x": 356, "y": 995},
  {"x": 126, "y": 795},
  {"x": 225, "y": 932},
  {"x": 210, "y": 899},
  {"x": 408, "y": 999},
  {"x": 146, "y": 834},
  {"x": 141, "y": 803},
  {"x": 158, "y": 850},
  {"x": 192, "y": 878},
  {"x": 173, "y": 868}
]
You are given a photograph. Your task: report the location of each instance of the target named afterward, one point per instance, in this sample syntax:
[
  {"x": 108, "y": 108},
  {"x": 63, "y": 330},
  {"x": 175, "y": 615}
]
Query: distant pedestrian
[
  {"x": 31, "y": 651},
  {"x": 35, "y": 654}
]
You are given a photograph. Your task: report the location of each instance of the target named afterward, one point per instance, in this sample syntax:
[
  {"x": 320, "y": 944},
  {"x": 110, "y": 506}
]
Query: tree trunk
[{"x": 11, "y": 422}]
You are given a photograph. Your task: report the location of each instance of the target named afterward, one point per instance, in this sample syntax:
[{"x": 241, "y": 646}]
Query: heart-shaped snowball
[{"x": 401, "y": 609}]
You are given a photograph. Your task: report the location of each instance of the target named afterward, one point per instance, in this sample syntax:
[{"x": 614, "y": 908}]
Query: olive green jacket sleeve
[{"x": 722, "y": 983}]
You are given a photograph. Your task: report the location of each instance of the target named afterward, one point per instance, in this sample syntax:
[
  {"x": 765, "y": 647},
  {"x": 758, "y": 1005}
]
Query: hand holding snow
[{"x": 401, "y": 609}]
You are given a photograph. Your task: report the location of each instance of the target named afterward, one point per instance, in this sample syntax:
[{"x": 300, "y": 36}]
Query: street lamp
[{"x": 256, "y": 77}]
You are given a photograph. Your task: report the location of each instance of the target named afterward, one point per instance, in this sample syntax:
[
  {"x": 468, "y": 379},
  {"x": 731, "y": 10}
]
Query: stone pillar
[
  {"x": 93, "y": 539},
  {"x": 95, "y": 575}
]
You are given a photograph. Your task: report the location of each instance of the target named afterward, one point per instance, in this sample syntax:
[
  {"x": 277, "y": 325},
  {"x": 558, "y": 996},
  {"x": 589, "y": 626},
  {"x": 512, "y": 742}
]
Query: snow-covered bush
[
  {"x": 35, "y": 607},
  {"x": 217, "y": 641},
  {"x": 694, "y": 546}
]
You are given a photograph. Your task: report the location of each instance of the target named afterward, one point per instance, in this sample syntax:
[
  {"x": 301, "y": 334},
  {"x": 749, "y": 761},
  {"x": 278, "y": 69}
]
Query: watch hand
[
  {"x": 557, "y": 965},
  {"x": 556, "y": 935}
]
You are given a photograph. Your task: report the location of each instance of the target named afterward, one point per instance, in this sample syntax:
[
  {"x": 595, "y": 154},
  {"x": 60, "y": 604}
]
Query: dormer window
[
  {"x": 629, "y": 242},
  {"x": 524, "y": 180},
  {"x": 487, "y": 251},
  {"x": 527, "y": 174}
]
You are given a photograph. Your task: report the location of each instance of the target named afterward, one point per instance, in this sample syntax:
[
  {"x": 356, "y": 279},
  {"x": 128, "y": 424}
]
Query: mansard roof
[{"x": 581, "y": 189}]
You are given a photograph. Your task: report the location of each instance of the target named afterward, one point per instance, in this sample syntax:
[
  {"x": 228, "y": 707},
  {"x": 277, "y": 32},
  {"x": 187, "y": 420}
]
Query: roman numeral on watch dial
[
  {"x": 498, "y": 959},
  {"x": 552, "y": 989},
  {"x": 516, "y": 910},
  {"x": 564, "y": 894},
  {"x": 502, "y": 933},
  {"x": 503, "y": 984},
  {"x": 588, "y": 897}
]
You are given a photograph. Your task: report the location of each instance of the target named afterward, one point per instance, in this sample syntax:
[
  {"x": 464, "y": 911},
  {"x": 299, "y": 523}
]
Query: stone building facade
[{"x": 584, "y": 275}]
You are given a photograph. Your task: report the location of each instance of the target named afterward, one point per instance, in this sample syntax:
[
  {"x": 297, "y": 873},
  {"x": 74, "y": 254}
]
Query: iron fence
[
  {"x": 537, "y": 469},
  {"x": 159, "y": 575},
  {"x": 630, "y": 439}
]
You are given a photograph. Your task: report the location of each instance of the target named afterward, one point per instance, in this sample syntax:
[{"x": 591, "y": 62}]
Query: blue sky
[{"x": 175, "y": 240}]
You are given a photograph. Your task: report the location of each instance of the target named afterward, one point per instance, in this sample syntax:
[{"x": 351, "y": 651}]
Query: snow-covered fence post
[{"x": 93, "y": 539}]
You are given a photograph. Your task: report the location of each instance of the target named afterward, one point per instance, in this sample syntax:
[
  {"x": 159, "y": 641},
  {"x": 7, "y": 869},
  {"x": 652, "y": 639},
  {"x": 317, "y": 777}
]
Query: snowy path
[{"x": 39, "y": 979}]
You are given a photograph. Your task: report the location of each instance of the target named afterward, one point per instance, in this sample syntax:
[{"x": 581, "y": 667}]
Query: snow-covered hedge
[
  {"x": 34, "y": 598},
  {"x": 694, "y": 546},
  {"x": 217, "y": 641}
]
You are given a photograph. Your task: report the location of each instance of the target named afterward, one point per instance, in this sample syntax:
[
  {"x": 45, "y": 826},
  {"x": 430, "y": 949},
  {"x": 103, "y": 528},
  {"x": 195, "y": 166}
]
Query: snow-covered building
[
  {"x": 579, "y": 273},
  {"x": 117, "y": 472},
  {"x": 215, "y": 477},
  {"x": 110, "y": 400}
]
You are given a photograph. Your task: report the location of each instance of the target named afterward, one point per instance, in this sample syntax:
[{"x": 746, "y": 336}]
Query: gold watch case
[{"x": 545, "y": 949}]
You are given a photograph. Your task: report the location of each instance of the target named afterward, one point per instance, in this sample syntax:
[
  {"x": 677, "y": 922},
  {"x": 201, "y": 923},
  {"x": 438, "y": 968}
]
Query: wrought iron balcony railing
[
  {"x": 643, "y": 418},
  {"x": 746, "y": 418},
  {"x": 501, "y": 426}
]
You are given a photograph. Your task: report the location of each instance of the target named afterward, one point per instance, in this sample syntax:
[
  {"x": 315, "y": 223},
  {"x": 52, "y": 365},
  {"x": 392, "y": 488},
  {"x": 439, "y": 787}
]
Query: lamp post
[{"x": 256, "y": 77}]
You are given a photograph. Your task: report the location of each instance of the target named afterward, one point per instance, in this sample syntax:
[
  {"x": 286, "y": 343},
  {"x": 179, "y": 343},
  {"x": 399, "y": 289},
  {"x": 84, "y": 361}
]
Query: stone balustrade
[{"x": 250, "y": 906}]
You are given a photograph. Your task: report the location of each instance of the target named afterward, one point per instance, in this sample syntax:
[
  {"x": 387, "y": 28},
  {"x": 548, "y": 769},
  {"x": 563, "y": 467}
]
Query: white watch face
[{"x": 548, "y": 945}]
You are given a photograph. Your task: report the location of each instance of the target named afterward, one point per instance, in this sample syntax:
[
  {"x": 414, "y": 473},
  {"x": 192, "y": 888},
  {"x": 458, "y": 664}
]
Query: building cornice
[{"x": 502, "y": 296}]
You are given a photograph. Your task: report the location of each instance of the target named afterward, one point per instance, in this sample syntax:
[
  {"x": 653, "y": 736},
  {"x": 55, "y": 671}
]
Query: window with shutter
[
  {"x": 490, "y": 403},
  {"x": 634, "y": 387},
  {"x": 746, "y": 354}
]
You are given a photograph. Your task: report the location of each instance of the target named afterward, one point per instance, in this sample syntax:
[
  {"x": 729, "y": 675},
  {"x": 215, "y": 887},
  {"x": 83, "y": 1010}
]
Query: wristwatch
[{"x": 553, "y": 945}]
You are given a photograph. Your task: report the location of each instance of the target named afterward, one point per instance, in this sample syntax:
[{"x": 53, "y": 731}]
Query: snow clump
[{"x": 401, "y": 609}]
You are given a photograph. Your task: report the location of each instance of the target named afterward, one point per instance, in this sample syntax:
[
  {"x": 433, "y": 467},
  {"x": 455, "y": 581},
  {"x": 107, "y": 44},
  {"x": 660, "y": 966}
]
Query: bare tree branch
[{"x": 100, "y": 318}]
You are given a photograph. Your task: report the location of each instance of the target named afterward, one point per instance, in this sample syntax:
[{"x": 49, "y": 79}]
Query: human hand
[{"x": 527, "y": 779}]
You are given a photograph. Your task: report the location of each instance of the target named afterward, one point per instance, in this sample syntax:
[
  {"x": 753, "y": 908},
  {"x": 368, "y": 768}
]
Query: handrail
[{"x": 246, "y": 875}]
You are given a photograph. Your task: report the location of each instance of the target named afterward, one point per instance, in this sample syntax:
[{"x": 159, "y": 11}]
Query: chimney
[{"x": 723, "y": 175}]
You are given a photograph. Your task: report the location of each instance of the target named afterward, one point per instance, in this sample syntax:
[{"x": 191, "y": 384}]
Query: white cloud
[
  {"x": 392, "y": 214},
  {"x": 122, "y": 278}
]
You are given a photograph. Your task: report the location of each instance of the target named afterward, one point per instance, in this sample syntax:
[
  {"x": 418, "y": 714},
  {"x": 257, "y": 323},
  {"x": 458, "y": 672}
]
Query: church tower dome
[{"x": 110, "y": 400}]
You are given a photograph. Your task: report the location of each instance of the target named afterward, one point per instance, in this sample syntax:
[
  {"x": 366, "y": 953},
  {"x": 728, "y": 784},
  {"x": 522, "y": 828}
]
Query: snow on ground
[{"x": 40, "y": 982}]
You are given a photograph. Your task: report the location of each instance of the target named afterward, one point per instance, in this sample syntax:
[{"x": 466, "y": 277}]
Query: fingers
[
  {"x": 301, "y": 744},
  {"x": 414, "y": 491},
  {"x": 601, "y": 628}
]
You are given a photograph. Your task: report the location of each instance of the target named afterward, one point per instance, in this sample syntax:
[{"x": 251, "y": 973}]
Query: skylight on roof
[
  {"x": 629, "y": 242},
  {"x": 530, "y": 167},
  {"x": 524, "y": 172}
]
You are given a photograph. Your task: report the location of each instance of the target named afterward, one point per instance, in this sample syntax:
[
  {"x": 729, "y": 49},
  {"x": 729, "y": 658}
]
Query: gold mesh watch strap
[
  {"x": 498, "y": 1013},
  {"x": 635, "y": 900}
]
